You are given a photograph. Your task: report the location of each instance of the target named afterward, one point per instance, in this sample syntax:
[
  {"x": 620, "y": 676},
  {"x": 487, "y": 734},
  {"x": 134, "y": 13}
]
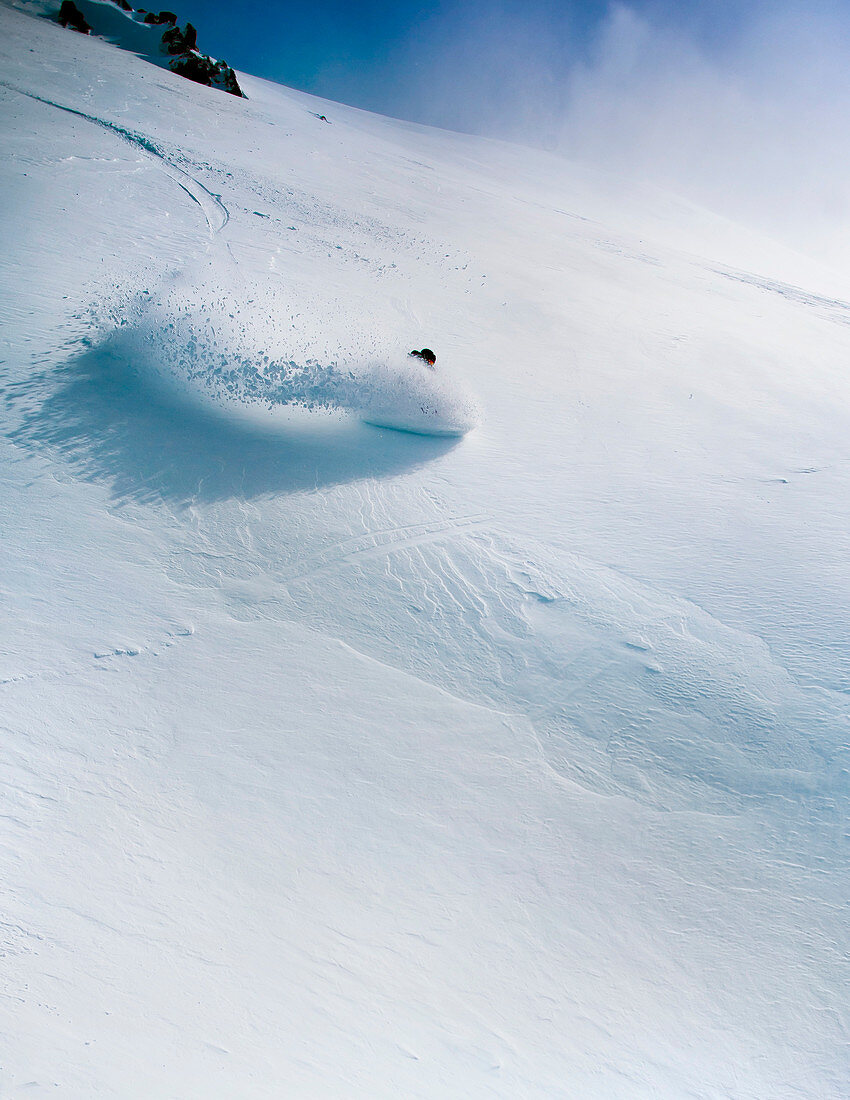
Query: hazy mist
[{"x": 757, "y": 127}]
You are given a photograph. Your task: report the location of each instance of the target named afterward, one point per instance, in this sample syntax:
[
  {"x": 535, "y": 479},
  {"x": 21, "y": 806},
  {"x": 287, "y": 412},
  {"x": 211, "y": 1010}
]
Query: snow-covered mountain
[{"x": 342, "y": 761}]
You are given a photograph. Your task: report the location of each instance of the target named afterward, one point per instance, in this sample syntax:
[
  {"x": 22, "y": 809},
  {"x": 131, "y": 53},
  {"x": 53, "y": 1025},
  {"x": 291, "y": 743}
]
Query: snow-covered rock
[{"x": 141, "y": 32}]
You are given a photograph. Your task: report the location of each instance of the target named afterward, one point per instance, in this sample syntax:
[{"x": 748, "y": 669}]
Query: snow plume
[{"x": 260, "y": 351}]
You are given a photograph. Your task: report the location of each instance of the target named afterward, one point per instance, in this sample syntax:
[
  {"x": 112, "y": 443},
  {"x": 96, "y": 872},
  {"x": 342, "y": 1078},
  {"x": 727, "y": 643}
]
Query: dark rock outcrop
[
  {"x": 181, "y": 45},
  {"x": 164, "y": 17},
  {"x": 203, "y": 70},
  {"x": 71, "y": 16},
  {"x": 193, "y": 66},
  {"x": 172, "y": 40},
  {"x": 176, "y": 41},
  {"x": 225, "y": 78}
]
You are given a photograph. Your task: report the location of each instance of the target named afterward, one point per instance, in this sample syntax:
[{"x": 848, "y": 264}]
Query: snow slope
[{"x": 341, "y": 761}]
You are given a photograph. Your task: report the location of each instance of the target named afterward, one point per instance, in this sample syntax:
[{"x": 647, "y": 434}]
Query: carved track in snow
[{"x": 215, "y": 212}]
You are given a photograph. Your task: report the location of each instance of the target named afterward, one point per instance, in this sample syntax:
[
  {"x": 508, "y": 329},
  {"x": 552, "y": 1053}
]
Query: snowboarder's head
[{"x": 426, "y": 354}]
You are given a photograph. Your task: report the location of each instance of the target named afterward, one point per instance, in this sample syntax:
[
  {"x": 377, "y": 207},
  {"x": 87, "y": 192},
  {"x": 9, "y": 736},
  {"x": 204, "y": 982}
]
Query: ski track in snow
[
  {"x": 215, "y": 212},
  {"x": 835, "y": 309}
]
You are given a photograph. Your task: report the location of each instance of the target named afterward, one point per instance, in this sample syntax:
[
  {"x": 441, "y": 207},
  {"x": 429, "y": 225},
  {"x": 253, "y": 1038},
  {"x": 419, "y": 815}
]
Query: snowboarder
[{"x": 427, "y": 356}]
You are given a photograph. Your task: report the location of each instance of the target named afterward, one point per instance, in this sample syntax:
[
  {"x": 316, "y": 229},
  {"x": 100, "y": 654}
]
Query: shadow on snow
[{"x": 114, "y": 425}]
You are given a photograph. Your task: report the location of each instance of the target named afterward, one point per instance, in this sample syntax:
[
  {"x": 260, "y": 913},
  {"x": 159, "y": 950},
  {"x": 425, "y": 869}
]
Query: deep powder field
[{"x": 374, "y": 730}]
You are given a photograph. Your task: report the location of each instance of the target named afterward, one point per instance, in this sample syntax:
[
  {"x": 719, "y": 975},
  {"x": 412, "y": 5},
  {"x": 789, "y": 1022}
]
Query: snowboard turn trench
[{"x": 385, "y": 390}]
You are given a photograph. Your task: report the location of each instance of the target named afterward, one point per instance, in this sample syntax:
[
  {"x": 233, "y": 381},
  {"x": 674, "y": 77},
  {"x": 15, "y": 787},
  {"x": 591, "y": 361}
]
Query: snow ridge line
[{"x": 215, "y": 212}]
